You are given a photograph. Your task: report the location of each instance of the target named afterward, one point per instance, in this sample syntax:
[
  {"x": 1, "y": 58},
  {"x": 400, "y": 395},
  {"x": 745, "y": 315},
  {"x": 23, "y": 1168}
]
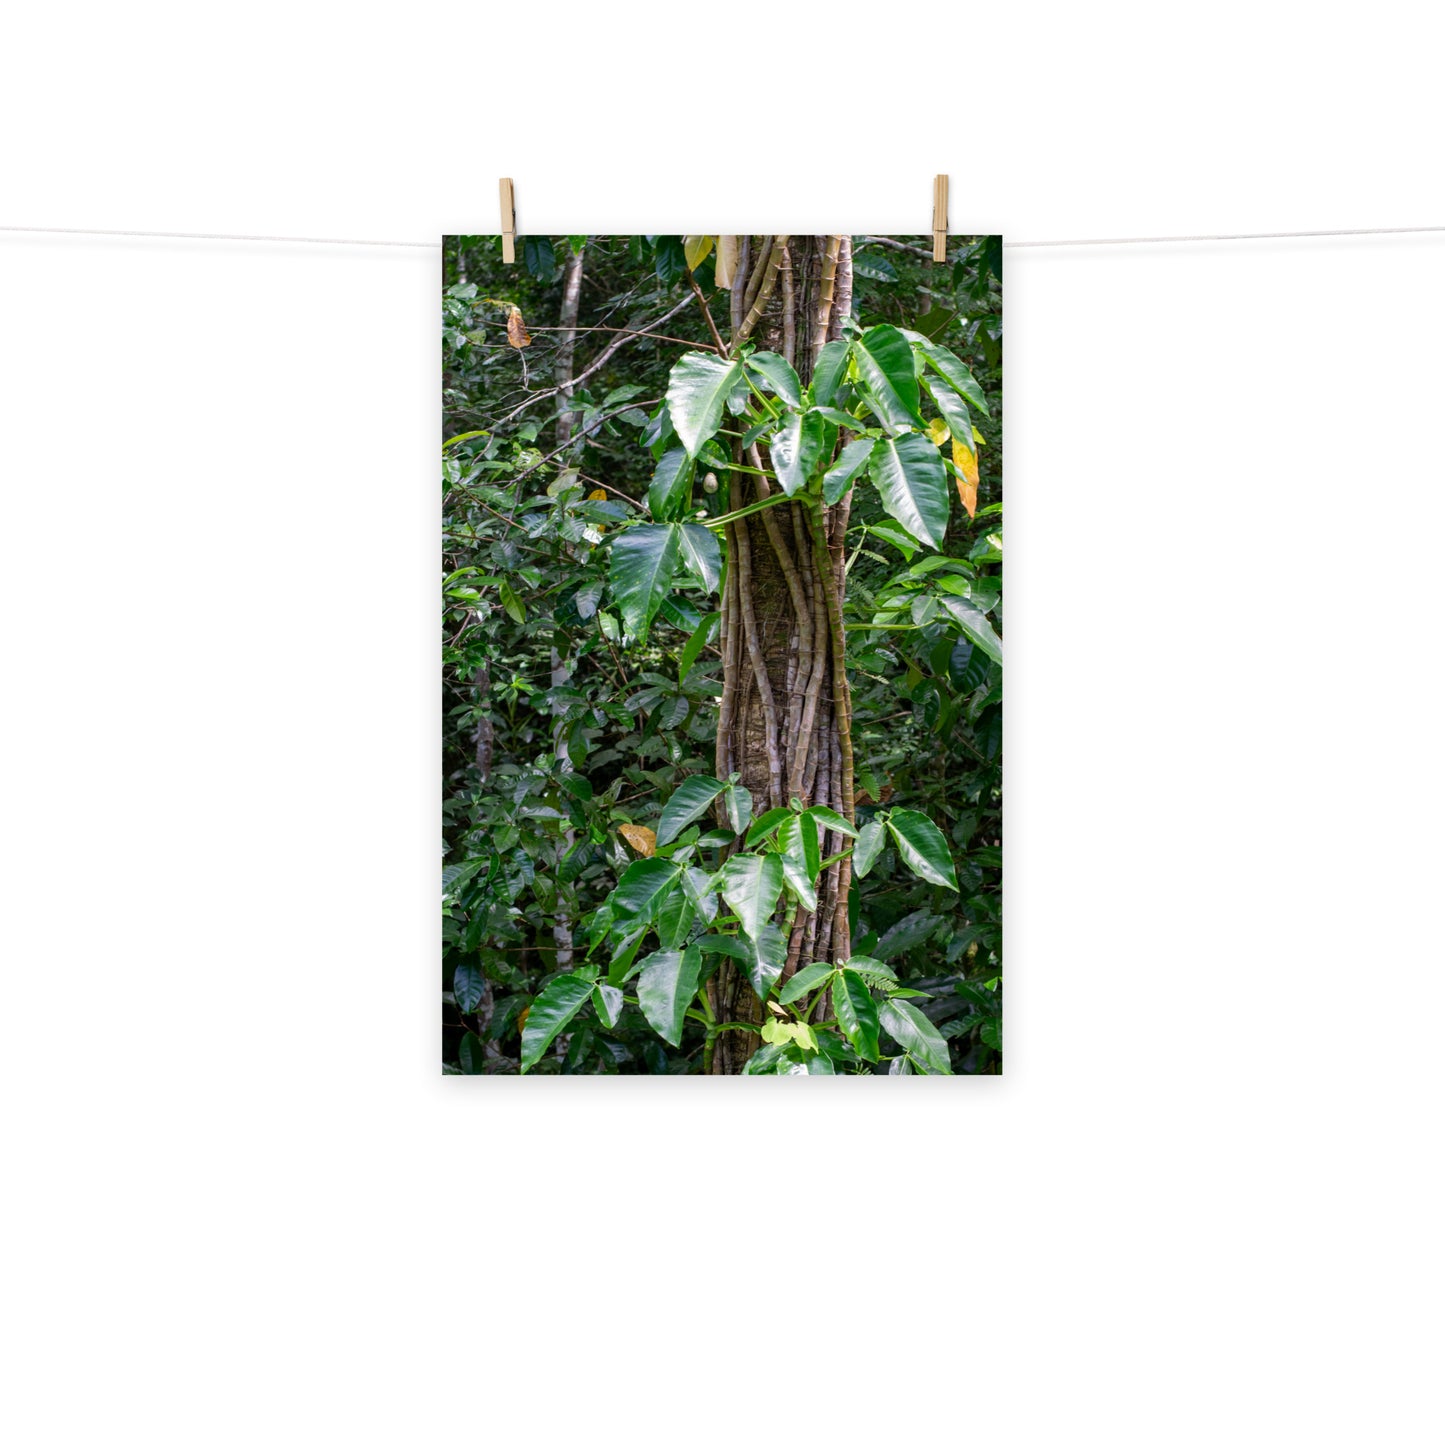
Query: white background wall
[{"x": 1203, "y": 1204}]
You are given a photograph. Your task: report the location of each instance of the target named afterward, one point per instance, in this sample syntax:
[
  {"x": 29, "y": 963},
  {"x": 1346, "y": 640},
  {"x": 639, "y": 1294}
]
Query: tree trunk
[{"x": 784, "y": 718}]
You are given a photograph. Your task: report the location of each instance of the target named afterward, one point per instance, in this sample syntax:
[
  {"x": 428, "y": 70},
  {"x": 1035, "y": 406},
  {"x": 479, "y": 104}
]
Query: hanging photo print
[{"x": 721, "y": 663}]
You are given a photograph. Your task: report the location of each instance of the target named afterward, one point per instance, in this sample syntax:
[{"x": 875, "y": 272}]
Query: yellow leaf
[
  {"x": 937, "y": 431},
  {"x": 967, "y": 464},
  {"x": 695, "y": 250},
  {"x": 643, "y": 840},
  {"x": 598, "y": 496},
  {"x": 516, "y": 331},
  {"x": 978, "y": 437}
]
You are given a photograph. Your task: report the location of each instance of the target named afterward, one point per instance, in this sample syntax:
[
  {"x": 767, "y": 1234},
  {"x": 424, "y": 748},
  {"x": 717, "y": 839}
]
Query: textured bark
[{"x": 783, "y": 718}]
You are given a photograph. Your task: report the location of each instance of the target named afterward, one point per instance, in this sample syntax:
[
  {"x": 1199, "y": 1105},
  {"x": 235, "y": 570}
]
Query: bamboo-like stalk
[
  {"x": 790, "y": 320},
  {"x": 842, "y": 289},
  {"x": 764, "y": 293},
  {"x": 824, "y": 312},
  {"x": 743, "y": 545}
]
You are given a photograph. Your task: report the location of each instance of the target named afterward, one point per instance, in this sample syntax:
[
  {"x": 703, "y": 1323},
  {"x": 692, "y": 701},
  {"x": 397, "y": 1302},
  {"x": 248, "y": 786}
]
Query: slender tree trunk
[{"x": 784, "y": 718}]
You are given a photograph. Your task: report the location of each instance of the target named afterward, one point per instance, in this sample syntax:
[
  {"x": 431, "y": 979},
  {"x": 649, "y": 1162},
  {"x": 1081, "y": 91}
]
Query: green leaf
[
  {"x": 739, "y": 806},
  {"x": 796, "y": 449},
  {"x": 700, "y": 554},
  {"x": 913, "y": 485},
  {"x": 751, "y": 886},
  {"x": 608, "y": 1003},
  {"x": 671, "y": 485},
  {"x": 539, "y": 258},
  {"x": 643, "y": 561},
  {"x": 885, "y": 362},
  {"x": 922, "y": 847},
  {"x": 910, "y": 1028},
  {"x": 805, "y": 981},
  {"x": 766, "y": 955},
  {"x": 552, "y": 1010},
  {"x": 840, "y": 418},
  {"x": 955, "y": 413},
  {"x": 690, "y": 800},
  {"x": 765, "y": 825},
  {"x": 831, "y": 820},
  {"x": 857, "y": 1014},
  {"x": 511, "y": 601},
  {"x": 829, "y": 371},
  {"x": 951, "y": 369},
  {"x": 640, "y": 888},
  {"x": 976, "y": 625},
  {"x": 665, "y": 988},
  {"x": 851, "y": 461},
  {"x": 777, "y": 375},
  {"x": 697, "y": 391},
  {"x": 874, "y": 972},
  {"x": 702, "y": 634},
  {"x": 798, "y": 840},
  {"x": 868, "y": 847},
  {"x": 469, "y": 987}
]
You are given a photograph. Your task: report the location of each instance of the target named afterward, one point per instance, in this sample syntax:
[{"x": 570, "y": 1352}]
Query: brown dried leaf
[
  {"x": 516, "y": 331},
  {"x": 643, "y": 840},
  {"x": 967, "y": 463}
]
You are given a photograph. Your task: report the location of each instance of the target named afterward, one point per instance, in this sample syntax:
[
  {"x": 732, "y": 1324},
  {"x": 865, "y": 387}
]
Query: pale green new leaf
[
  {"x": 665, "y": 987},
  {"x": 912, "y": 484},
  {"x": 690, "y": 800},
  {"x": 697, "y": 391},
  {"x": 551, "y": 1011},
  {"x": 643, "y": 561},
  {"x": 922, "y": 847}
]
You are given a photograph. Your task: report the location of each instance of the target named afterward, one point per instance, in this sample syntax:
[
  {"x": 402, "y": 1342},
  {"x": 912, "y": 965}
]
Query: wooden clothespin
[
  {"x": 509, "y": 223},
  {"x": 940, "y": 218}
]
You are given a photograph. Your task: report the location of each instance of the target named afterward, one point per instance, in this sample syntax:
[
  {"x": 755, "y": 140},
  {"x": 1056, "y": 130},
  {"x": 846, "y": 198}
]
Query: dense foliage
[{"x": 581, "y": 673}]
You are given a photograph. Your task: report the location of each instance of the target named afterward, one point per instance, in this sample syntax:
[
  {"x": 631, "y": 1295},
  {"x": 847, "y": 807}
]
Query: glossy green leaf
[
  {"x": 751, "y": 885},
  {"x": 643, "y": 561},
  {"x": 607, "y": 1001},
  {"x": 765, "y": 957},
  {"x": 840, "y": 418},
  {"x": 954, "y": 412},
  {"x": 671, "y": 485},
  {"x": 857, "y": 1014},
  {"x": 640, "y": 889},
  {"x": 834, "y": 822},
  {"x": 829, "y": 371},
  {"x": 764, "y": 825},
  {"x": 851, "y": 461},
  {"x": 700, "y": 554},
  {"x": 774, "y": 373},
  {"x": 870, "y": 842},
  {"x": 691, "y": 799},
  {"x": 469, "y": 987},
  {"x": 805, "y": 981},
  {"x": 697, "y": 391},
  {"x": 885, "y": 363},
  {"x": 912, "y": 484},
  {"x": 551, "y": 1011},
  {"x": 951, "y": 369},
  {"x": 739, "y": 807},
  {"x": 922, "y": 847},
  {"x": 666, "y": 986},
  {"x": 798, "y": 840},
  {"x": 796, "y": 449},
  {"x": 510, "y": 601},
  {"x": 702, "y": 634},
  {"x": 976, "y": 625},
  {"x": 913, "y": 1031},
  {"x": 874, "y": 972}
]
